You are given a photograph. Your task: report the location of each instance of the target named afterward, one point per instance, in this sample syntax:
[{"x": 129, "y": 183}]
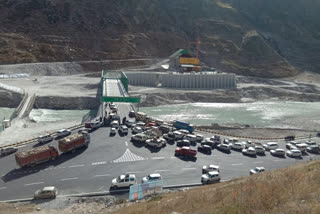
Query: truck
[
  {"x": 183, "y": 125},
  {"x": 36, "y": 156},
  {"x": 140, "y": 116},
  {"x": 72, "y": 142}
]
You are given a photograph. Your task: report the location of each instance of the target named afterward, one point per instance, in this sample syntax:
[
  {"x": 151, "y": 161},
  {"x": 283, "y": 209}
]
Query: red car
[{"x": 185, "y": 151}]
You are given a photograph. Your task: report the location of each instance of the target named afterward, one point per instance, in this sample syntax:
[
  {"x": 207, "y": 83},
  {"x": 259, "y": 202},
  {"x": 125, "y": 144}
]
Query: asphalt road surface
[{"x": 92, "y": 169}]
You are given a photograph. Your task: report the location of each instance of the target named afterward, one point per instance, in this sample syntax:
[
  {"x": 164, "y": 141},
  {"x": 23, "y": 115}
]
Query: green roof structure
[{"x": 179, "y": 53}]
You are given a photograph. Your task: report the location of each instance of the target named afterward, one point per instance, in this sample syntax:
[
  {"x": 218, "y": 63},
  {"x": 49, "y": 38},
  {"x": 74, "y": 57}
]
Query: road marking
[
  {"x": 189, "y": 168},
  {"x": 258, "y": 162},
  {"x": 136, "y": 172},
  {"x": 126, "y": 143},
  {"x": 34, "y": 184},
  {"x": 68, "y": 179},
  {"x": 162, "y": 170},
  {"x": 173, "y": 157},
  {"x": 99, "y": 163},
  {"x": 105, "y": 175},
  {"x": 236, "y": 164},
  {"x": 3, "y": 188},
  {"x": 277, "y": 160},
  {"x": 76, "y": 166},
  {"x": 157, "y": 158}
]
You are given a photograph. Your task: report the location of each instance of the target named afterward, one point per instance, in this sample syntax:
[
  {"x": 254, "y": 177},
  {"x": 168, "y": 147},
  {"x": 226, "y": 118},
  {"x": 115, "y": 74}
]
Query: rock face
[
  {"x": 9, "y": 99},
  {"x": 251, "y": 37},
  {"x": 65, "y": 103}
]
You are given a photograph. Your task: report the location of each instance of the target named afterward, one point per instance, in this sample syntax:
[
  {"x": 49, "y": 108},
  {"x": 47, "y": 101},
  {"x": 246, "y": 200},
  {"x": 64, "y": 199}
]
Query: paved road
[{"x": 92, "y": 169}]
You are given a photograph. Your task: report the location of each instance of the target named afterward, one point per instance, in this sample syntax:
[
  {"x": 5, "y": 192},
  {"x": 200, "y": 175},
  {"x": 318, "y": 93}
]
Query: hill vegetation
[{"x": 252, "y": 37}]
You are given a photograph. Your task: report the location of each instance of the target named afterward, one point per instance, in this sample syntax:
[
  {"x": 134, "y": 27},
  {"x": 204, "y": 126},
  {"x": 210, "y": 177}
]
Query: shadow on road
[
  {"x": 137, "y": 144},
  {"x": 22, "y": 172},
  {"x": 187, "y": 159},
  {"x": 153, "y": 149}
]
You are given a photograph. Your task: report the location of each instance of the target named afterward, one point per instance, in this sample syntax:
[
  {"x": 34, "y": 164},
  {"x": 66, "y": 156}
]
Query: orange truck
[
  {"x": 36, "y": 156},
  {"x": 46, "y": 153},
  {"x": 72, "y": 142}
]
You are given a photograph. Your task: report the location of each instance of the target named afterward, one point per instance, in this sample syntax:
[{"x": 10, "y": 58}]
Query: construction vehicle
[
  {"x": 183, "y": 125},
  {"x": 73, "y": 142},
  {"x": 36, "y": 156}
]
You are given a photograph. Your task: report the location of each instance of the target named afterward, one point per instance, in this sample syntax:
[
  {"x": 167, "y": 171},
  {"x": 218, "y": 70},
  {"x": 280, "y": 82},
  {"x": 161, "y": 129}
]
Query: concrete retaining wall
[
  {"x": 143, "y": 79},
  {"x": 199, "y": 81}
]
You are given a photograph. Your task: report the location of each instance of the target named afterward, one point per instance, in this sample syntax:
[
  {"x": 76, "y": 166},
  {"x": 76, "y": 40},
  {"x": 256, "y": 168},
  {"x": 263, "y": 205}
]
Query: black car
[
  {"x": 181, "y": 143},
  {"x": 318, "y": 134},
  {"x": 289, "y": 138},
  {"x": 208, "y": 143},
  {"x": 132, "y": 114},
  {"x": 205, "y": 149},
  {"x": 313, "y": 149}
]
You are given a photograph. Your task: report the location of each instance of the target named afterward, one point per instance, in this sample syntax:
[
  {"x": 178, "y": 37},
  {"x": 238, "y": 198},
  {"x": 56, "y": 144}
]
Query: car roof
[
  {"x": 49, "y": 188},
  {"x": 186, "y": 147},
  {"x": 155, "y": 175},
  {"x": 213, "y": 173},
  {"x": 272, "y": 143},
  {"x": 213, "y": 166},
  {"x": 281, "y": 150}
]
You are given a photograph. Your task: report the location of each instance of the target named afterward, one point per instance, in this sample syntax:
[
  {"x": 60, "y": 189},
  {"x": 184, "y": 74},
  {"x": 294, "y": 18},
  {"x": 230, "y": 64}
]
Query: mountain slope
[{"x": 232, "y": 36}]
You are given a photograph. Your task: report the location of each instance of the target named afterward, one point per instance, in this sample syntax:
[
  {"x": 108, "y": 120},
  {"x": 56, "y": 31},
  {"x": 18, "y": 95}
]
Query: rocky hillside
[{"x": 258, "y": 38}]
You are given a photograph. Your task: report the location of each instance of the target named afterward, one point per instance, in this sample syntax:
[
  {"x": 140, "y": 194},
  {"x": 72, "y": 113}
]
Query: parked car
[
  {"x": 210, "y": 177},
  {"x": 249, "y": 151},
  {"x": 181, "y": 143},
  {"x": 314, "y": 149},
  {"x": 260, "y": 150},
  {"x": 151, "y": 177},
  {"x": 45, "y": 138},
  {"x": 294, "y": 153},
  {"x": 199, "y": 137},
  {"x": 123, "y": 129},
  {"x": 124, "y": 181},
  {"x": 291, "y": 145},
  {"x": 311, "y": 143},
  {"x": 210, "y": 168},
  {"x": 140, "y": 137},
  {"x": 184, "y": 132},
  {"x": 63, "y": 133},
  {"x": 140, "y": 123},
  {"x": 224, "y": 147},
  {"x": 115, "y": 124},
  {"x": 237, "y": 146},
  {"x": 8, "y": 150},
  {"x": 178, "y": 135},
  {"x": 46, "y": 192},
  {"x": 208, "y": 142},
  {"x": 157, "y": 143},
  {"x": 302, "y": 147},
  {"x": 169, "y": 137},
  {"x": 185, "y": 151},
  {"x": 289, "y": 138},
  {"x": 129, "y": 123},
  {"x": 205, "y": 149},
  {"x": 277, "y": 152},
  {"x": 112, "y": 131},
  {"x": 137, "y": 129},
  {"x": 257, "y": 170},
  {"x": 192, "y": 138},
  {"x": 270, "y": 146}
]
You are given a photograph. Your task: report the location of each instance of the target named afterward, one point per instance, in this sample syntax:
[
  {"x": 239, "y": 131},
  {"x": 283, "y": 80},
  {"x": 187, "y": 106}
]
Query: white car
[
  {"x": 140, "y": 137},
  {"x": 278, "y": 152},
  {"x": 237, "y": 146},
  {"x": 137, "y": 129},
  {"x": 8, "y": 150},
  {"x": 311, "y": 143},
  {"x": 123, "y": 129},
  {"x": 46, "y": 192},
  {"x": 63, "y": 133},
  {"x": 199, "y": 137},
  {"x": 224, "y": 147},
  {"x": 260, "y": 150},
  {"x": 270, "y": 146},
  {"x": 115, "y": 124},
  {"x": 157, "y": 143},
  {"x": 210, "y": 168},
  {"x": 210, "y": 177},
  {"x": 249, "y": 151},
  {"x": 257, "y": 170},
  {"x": 184, "y": 132},
  {"x": 151, "y": 177},
  {"x": 291, "y": 145},
  {"x": 177, "y": 135},
  {"x": 124, "y": 181},
  {"x": 294, "y": 153},
  {"x": 190, "y": 137},
  {"x": 302, "y": 147},
  {"x": 45, "y": 138}
]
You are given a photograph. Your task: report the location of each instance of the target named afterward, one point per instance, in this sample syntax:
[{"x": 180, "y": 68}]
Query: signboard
[
  {"x": 193, "y": 61},
  {"x": 141, "y": 190},
  {"x": 121, "y": 99}
]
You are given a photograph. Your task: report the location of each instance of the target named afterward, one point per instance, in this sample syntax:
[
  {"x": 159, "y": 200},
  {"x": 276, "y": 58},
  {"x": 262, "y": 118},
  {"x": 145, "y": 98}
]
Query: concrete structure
[{"x": 143, "y": 79}]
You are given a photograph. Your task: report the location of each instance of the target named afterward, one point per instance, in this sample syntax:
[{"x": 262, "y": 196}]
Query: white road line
[
  {"x": 157, "y": 158},
  {"x": 136, "y": 172},
  {"x": 3, "y": 188},
  {"x": 105, "y": 175},
  {"x": 162, "y": 170},
  {"x": 99, "y": 163},
  {"x": 126, "y": 143},
  {"x": 34, "y": 184},
  {"x": 236, "y": 164},
  {"x": 76, "y": 166},
  {"x": 258, "y": 162},
  {"x": 68, "y": 179},
  {"x": 173, "y": 157},
  {"x": 277, "y": 160},
  {"x": 189, "y": 168}
]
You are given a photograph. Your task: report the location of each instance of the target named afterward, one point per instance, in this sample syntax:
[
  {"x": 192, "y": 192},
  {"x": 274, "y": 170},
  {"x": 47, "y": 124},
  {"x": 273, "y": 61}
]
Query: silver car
[
  {"x": 46, "y": 192},
  {"x": 8, "y": 151}
]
